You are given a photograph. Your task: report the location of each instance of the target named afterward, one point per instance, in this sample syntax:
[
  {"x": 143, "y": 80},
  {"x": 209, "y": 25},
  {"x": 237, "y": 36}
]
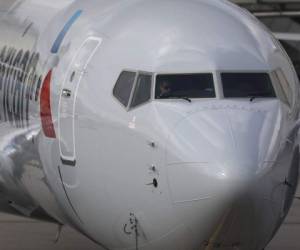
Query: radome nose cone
[{"x": 216, "y": 150}]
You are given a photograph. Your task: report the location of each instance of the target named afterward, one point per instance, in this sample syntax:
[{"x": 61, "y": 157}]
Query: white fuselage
[{"x": 170, "y": 174}]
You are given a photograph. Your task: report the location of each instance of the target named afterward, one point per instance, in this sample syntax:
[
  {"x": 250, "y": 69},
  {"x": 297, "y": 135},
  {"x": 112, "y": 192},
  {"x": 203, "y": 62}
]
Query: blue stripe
[{"x": 64, "y": 31}]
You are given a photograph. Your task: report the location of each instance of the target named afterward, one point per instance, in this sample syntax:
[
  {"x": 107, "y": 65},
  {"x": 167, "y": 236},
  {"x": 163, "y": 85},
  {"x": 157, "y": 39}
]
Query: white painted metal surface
[{"x": 170, "y": 174}]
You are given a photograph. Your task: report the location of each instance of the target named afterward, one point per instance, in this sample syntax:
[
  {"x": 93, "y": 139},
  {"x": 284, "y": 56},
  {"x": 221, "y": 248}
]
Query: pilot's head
[{"x": 165, "y": 88}]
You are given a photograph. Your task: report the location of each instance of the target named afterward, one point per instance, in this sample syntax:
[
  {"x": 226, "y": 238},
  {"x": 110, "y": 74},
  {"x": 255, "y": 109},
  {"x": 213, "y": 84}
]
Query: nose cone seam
[
  {"x": 218, "y": 151},
  {"x": 234, "y": 142},
  {"x": 243, "y": 129}
]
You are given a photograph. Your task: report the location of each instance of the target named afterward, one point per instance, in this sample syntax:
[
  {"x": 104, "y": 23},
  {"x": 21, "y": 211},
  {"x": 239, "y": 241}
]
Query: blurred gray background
[{"x": 17, "y": 233}]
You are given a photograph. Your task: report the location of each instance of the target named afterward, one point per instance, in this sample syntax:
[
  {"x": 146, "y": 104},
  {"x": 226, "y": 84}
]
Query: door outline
[{"x": 71, "y": 160}]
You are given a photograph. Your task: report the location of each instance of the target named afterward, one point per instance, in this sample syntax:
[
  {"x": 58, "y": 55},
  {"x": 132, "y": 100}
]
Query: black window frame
[
  {"x": 214, "y": 85},
  {"x": 129, "y": 107},
  {"x": 139, "y": 73},
  {"x": 267, "y": 73},
  {"x": 132, "y": 87}
]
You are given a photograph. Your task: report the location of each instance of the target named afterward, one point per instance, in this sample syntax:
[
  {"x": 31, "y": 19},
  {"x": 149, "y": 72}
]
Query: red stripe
[{"x": 45, "y": 107}]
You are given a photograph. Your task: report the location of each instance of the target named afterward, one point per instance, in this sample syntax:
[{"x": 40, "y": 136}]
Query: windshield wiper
[
  {"x": 253, "y": 96},
  {"x": 176, "y": 97},
  {"x": 185, "y": 98}
]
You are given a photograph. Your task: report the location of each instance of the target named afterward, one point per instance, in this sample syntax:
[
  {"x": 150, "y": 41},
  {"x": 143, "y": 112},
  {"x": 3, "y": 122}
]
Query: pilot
[{"x": 164, "y": 88}]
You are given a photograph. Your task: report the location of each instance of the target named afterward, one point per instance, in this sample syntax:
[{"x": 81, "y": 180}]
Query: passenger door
[{"x": 74, "y": 75}]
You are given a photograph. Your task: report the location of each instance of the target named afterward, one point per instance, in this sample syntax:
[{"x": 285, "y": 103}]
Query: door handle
[{"x": 66, "y": 93}]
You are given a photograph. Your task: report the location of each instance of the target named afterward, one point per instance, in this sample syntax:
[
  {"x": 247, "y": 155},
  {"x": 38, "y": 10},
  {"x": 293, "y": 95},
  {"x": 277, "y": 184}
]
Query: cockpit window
[
  {"x": 142, "y": 91},
  {"x": 281, "y": 87},
  {"x": 247, "y": 85},
  {"x": 184, "y": 86},
  {"x": 123, "y": 87}
]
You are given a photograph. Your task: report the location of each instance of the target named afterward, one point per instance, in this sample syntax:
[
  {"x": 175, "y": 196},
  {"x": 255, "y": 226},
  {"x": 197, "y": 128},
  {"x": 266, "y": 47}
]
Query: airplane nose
[{"x": 221, "y": 149}]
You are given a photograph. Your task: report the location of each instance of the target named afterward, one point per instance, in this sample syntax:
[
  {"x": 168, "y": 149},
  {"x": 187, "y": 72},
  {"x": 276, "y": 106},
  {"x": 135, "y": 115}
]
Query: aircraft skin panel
[
  {"x": 178, "y": 173},
  {"x": 6, "y": 5},
  {"x": 287, "y": 36},
  {"x": 20, "y": 111}
]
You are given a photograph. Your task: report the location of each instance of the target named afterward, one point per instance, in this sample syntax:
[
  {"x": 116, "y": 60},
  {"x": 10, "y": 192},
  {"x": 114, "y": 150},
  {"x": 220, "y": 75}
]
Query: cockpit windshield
[
  {"x": 247, "y": 85},
  {"x": 173, "y": 86}
]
